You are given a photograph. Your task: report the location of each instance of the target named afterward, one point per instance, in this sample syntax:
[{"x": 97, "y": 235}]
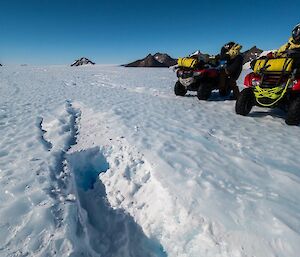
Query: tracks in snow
[{"x": 57, "y": 134}]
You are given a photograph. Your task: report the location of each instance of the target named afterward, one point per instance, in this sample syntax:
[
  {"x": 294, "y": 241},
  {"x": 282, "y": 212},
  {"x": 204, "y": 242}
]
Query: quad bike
[
  {"x": 197, "y": 76},
  {"x": 273, "y": 83}
]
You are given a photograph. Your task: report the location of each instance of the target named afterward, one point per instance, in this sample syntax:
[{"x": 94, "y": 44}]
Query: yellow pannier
[
  {"x": 273, "y": 65},
  {"x": 187, "y": 62}
]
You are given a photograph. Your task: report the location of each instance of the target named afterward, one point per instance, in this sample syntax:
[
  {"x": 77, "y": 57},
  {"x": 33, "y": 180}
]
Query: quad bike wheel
[
  {"x": 245, "y": 102},
  {"x": 204, "y": 91},
  {"x": 293, "y": 114},
  {"x": 224, "y": 92},
  {"x": 179, "y": 89}
]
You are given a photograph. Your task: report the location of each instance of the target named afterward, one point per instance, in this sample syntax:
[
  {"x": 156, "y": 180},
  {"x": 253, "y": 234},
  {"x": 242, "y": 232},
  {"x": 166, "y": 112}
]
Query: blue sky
[{"x": 115, "y": 31}]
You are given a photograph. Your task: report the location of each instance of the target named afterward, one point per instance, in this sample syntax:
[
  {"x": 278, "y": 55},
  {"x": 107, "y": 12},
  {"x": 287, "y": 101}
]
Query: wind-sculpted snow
[{"x": 107, "y": 161}]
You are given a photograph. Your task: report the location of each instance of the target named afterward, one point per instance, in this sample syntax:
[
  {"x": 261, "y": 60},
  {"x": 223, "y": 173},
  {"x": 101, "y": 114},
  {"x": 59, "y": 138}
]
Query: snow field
[{"x": 106, "y": 161}]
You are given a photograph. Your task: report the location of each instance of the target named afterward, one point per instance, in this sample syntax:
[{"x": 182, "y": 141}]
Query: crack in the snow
[
  {"x": 97, "y": 228},
  {"x": 48, "y": 146},
  {"x": 108, "y": 232}
]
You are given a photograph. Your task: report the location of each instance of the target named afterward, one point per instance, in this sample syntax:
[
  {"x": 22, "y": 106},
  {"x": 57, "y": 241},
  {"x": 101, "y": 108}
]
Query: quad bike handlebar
[{"x": 294, "y": 53}]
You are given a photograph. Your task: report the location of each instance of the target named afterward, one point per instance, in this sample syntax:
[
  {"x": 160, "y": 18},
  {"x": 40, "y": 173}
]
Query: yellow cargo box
[
  {"x": 187, "y": 62},
  {"x": 273, "y": 65}
]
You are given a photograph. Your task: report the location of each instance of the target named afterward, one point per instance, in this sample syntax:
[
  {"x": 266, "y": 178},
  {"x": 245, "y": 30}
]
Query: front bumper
[{"x": 187, "y": 81}]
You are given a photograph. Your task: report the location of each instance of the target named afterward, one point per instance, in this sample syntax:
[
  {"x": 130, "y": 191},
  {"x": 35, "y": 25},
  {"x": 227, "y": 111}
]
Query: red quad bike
[
  {"x": 273, "y": 83},
  {"x": 201, "y": 79}
]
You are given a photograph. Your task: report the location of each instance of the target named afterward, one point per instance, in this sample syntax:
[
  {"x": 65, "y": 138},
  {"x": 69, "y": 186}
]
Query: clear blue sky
[{"x": 120, "y": 31}]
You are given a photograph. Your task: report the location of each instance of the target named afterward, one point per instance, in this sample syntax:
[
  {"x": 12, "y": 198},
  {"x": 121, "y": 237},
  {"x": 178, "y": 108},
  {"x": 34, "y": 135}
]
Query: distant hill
[
  {"x": 157, "y": 60},
  {"x": 251, "y": 54},
  {"x": 82, "y": 61}
]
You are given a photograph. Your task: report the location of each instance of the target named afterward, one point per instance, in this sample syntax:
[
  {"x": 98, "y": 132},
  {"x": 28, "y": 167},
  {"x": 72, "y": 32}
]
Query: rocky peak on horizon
[
  {"x": 82, "y": 61},
  {"x": 165, "y": 59},
  {"x": 157, "y": 60}
]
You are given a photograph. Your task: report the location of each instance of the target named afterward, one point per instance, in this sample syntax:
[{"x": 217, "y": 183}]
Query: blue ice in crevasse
[{"x": 86, "y": 173}]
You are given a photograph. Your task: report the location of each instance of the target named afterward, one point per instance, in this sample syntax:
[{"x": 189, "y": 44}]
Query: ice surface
[{"x": 107, "y": 161}]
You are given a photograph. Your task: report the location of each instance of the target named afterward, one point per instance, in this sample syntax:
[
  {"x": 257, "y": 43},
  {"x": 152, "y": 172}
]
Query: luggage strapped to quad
[
  {"x": 279, "y": 68},
  {"x": 187, "y": 62}
]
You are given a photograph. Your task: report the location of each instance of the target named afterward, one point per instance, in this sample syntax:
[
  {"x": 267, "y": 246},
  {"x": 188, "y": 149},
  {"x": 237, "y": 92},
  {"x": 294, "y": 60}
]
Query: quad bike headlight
[
  {"x": 252, "y": 80},
  {"x": 292, "y": 83},
  {"x": 295, "y": 85},
  {"x": 255, "y": 82}
]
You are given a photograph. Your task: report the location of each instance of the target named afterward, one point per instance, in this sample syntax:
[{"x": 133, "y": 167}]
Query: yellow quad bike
[{"x": 273, "y": 83}]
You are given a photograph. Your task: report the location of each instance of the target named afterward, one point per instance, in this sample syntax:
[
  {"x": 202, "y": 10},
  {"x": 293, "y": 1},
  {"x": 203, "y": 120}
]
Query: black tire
[
  {"x": 293, "y": 114},
  {"x": 204, "y": 90},
  {"x": 179, "y": 89},
  {"x": 245, "y": 102},
  {"x": 225, "y": 92}
]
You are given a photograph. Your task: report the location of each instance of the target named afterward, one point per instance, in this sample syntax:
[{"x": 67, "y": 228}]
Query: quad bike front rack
[{"x": 277, "y": 92}]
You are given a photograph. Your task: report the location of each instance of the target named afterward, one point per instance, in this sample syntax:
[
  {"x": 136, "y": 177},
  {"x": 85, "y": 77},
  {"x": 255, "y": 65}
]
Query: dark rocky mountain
[
  {"x": 165, "y": 59},
  {"x": 157, "y": 60},
  {"x": 251, "y": 54},
  {"x": 0, "y": 64},
  {"x": 82, "y": 61}
]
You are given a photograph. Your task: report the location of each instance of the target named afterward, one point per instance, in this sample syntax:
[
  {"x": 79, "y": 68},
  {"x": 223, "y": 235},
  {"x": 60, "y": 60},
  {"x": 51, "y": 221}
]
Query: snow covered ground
[{"x": 107, "y": 161}]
